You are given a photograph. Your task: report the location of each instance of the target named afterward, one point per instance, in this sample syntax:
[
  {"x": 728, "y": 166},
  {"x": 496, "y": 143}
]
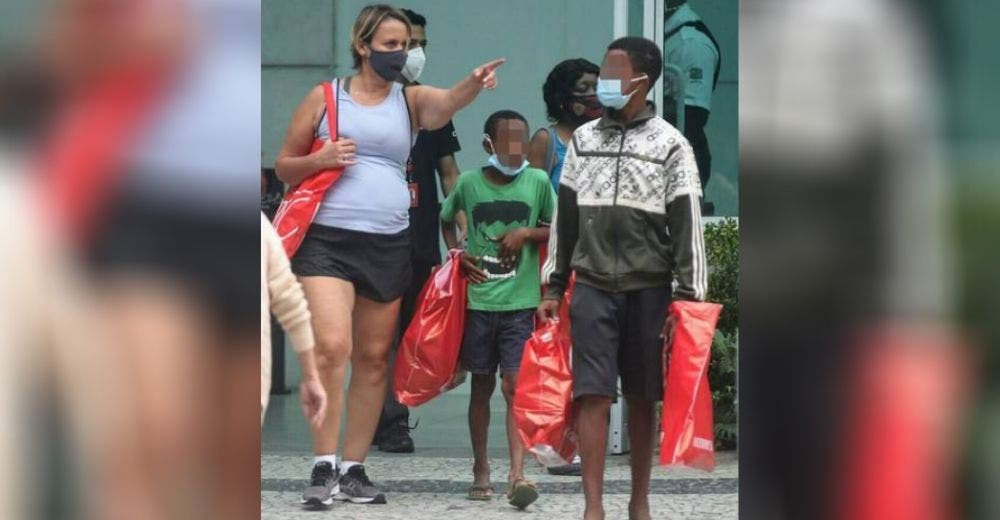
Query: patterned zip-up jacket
[{"x": 628, "y": 215}]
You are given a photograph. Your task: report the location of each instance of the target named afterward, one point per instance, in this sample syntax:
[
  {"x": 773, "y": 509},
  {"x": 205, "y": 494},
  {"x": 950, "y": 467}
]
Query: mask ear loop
[
  {"x": 493, "y": 149},
  {"x": 633, "y": 80}
]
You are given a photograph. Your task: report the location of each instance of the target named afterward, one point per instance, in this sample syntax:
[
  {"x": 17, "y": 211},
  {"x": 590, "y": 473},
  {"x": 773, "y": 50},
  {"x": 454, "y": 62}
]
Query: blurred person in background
[
  {"x": 851, "y": 378},
  {"x": 355, "y": 260},
  {"x": 434, "y": 151},
  {"x": 570, "y": 101},
  {"x": 281, "y": 294},
  {"x": 689, "y": 45},
  {"x": 67, "y": 414},
  {"x": 146, "y": 170}
]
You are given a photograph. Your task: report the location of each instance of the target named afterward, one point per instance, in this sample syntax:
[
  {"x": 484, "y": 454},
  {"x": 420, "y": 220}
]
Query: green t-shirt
[{"x": 492, "y": 209}]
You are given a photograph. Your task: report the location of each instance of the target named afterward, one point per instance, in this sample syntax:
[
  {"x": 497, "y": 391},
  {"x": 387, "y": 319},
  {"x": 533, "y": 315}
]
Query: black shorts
[
  {"x": 216, "y": 256},
  {"x": 618, "y": 334},
  {"x": 378, "y": 265},
  {"x": 495, "y": 339}
]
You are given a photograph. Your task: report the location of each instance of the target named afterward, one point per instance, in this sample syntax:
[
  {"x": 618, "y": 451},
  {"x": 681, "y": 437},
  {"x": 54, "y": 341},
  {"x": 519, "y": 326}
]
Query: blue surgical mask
[
  {"x": 510, "y": 171},
  {"x": 609, "y": 92}
]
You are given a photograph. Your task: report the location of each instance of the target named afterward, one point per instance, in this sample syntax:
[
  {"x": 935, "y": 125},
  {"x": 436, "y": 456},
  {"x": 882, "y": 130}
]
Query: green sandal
[{"x": 522, "y": 493}]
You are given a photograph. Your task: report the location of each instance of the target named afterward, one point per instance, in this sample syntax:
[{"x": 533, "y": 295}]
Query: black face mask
[
  {"x": 593, "y": 108},
  {"x": 387, "y": 64}
]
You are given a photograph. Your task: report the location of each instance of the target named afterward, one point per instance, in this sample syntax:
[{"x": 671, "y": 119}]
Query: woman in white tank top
[{"x": 354, "y": 262}]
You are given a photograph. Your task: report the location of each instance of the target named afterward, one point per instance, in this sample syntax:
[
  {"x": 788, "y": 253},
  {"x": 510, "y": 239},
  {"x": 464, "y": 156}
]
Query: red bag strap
[{"x": 331, "y": 108}]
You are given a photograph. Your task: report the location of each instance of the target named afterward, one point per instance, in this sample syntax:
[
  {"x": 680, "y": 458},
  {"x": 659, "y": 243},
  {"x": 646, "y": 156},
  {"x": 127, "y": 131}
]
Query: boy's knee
[
  {"x": 483, "y": 385},
  {"x": 593, "y": 402},
  {"x": 508, "y": 386}
]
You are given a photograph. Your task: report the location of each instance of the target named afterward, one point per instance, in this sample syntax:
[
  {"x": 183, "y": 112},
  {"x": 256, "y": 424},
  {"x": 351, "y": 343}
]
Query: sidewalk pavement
[{"x": 431, "y": 483}]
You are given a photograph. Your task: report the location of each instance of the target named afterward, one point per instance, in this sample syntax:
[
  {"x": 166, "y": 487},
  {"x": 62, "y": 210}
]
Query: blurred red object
[
  {"x": 688, "y": 436},
  {"x": 82, "y": 159},
  {"x": 909, "y": 390},
  {"x": 299, "y": 207},
  {"x": 543, "y": 400},
  {"x": 428, "y": 354}
]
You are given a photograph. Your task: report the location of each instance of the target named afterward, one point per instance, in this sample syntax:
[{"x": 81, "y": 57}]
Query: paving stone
[{"x": 431, "y": 483}]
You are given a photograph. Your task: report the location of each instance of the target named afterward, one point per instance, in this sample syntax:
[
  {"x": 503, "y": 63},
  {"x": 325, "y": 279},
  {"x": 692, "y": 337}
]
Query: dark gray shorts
[
  {"x": 618, "y": 334},
  {"x": 379, "y": 266},
  {"x": 495, "y": 339}
]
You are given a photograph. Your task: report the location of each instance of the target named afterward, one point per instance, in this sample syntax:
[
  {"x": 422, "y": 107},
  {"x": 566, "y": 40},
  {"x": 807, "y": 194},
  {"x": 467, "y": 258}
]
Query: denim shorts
[{"x": 495, "y": 339}]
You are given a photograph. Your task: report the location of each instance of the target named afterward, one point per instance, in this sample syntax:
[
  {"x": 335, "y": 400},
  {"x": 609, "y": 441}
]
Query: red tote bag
[
  {"x": 543, "y": 400},
  {"x": 428, "y": 354},
  {"x": 299, "y": 206},
  {"x": 688, "y": 437}
]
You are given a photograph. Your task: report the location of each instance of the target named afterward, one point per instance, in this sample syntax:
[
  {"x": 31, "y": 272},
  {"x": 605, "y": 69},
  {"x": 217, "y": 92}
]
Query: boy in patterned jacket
[{"x": 628, "y": 222}]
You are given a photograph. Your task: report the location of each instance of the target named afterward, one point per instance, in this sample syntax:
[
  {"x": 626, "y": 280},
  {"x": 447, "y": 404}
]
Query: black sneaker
[
  {"x": 396, "y": 439},
  {"x": 573, "y": 469},
  {"x": 322, "y": 486},
  {"x": 356, "y": 488}
]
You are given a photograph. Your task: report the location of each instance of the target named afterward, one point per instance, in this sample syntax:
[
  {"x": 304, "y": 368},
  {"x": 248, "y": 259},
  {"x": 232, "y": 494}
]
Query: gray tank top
[{"x": 372, "y": 195}]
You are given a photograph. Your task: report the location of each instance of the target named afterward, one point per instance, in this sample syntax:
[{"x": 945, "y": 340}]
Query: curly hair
[{"x": 558, "y": 88}]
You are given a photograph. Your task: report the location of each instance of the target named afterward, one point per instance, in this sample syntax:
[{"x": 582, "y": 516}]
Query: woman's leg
[
  {"x": 163, "y": 336},
  {"x": 331, "y": 301},
  {"x": 374, "y": 327}
]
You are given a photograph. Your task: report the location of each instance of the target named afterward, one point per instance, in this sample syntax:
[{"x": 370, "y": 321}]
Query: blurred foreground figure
[
  {"x": 852, "y": 381},
  {"x": 148, "y": 171},
  {"x": 54, "y": 356}
]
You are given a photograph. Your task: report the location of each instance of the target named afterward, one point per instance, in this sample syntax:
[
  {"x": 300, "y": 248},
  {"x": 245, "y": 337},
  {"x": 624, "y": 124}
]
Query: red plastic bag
[
  {"x": 543, "y": 399},
  {"x": 428, "y": 354},
  {"x": 299, "y": 206},
  {"x": 688, "y": 436},
  {"x": 81, "y": 161}
]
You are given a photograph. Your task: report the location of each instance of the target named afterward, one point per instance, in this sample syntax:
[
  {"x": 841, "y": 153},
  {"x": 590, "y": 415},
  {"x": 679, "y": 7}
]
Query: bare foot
[
  {"x": 639, "y": 511},
  {"x": 481, "y": 475},
  {"x": 593, "y": 514}
]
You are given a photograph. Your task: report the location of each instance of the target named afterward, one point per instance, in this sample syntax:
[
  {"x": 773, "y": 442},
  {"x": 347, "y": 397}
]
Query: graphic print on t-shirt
[{"x": 491, "y": 219}]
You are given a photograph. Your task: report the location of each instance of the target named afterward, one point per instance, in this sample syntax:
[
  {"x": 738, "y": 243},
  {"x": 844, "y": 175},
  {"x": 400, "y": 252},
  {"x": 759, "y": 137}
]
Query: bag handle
[{"x": 331, "y": 108}]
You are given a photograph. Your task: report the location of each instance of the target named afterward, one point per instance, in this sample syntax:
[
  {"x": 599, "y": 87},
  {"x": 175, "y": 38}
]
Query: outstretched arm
[{"x": 433, "y": 107}]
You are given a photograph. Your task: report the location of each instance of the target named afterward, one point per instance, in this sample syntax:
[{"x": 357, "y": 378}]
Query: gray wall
[{"x": 306, "y": 41}]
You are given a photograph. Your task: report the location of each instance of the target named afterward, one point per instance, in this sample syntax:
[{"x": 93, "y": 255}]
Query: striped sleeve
[
  {"x": 564, "y": 230},
  {"x": 684, "y": 224},
  {"x": 688, "y": 241}
]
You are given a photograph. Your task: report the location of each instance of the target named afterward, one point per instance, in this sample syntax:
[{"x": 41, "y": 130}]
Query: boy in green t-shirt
[{"x": 509, "y": 207}]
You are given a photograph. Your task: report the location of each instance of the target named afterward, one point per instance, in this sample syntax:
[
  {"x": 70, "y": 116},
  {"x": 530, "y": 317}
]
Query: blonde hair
[{"x": 367, "y": 23}]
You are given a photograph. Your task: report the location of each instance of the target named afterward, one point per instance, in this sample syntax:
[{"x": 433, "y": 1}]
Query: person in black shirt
[{"x": 433, "y": 151}]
